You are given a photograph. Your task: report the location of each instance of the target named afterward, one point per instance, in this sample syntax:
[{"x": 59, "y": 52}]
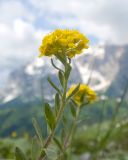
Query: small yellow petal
[{"x": 84, "y": 94}]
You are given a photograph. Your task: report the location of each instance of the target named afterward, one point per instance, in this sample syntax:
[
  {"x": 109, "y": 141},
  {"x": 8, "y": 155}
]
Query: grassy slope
[{"x": 17, "y": 115}]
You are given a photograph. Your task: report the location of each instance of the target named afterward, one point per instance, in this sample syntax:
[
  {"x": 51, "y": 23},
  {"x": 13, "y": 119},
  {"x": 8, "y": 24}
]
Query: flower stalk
[
  {"x": 69, "y": 138},
  {"x": 64, "y": 45},
  {"x": 59, "y": 114}
]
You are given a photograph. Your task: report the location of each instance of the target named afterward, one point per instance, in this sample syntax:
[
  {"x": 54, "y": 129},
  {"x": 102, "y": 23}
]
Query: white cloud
[
  {"x": 20, "y": 39},
  {"x": 23, "y": 23},
  {"x": 105, "y": 19},
  {"x": 13, "y": 9}
]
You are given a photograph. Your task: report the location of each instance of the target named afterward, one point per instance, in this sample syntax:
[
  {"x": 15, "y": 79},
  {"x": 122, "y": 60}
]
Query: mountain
[
  {"x": 103, "y": 67},
  {"x": 120, "y": 81}
]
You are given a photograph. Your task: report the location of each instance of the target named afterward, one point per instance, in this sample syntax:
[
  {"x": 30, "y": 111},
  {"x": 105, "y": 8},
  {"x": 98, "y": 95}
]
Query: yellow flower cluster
[
  {"x": 13, "y": 134},
  {"x": 83, "y": 95},
  {"x": 60, "y": 42}
]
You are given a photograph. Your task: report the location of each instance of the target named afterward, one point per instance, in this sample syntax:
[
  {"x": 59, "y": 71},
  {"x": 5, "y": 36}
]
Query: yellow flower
[
  {"x": 83, "y": 95},
  {"x": 60, "y": 42},
  {"x": 14, "y": 134}
]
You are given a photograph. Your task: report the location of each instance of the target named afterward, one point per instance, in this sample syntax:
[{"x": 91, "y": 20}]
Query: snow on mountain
[
  {"x": 88, "y": 71},
  {"x": 98, "y": 67}
]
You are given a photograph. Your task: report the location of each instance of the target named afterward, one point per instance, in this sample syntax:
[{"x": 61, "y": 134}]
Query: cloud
[
  {"x": 13, "y": 9},
  {"x": 23, "y": 23},
  {"x": 19, "y": 38},
  {"x": 104, "y": 19}
]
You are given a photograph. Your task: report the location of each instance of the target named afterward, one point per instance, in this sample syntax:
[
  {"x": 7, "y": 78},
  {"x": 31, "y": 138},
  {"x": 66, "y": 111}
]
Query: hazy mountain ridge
[
  {"x": 120, "y": 81},
  {"x": 104, "y": 63},
  {"x": 27, "y": 88}
]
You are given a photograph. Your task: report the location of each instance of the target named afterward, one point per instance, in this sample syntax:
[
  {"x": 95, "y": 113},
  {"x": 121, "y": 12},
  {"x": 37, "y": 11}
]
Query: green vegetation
[
  {"x": 86, "y": 138},
  {"x": 17, "y": 117}
]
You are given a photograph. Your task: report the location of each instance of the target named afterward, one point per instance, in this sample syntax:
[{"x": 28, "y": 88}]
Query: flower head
[
  {"x": 14, "y": 134},
  {"x": 60, "y": 42},
  {"x": 83, "y": 95}
]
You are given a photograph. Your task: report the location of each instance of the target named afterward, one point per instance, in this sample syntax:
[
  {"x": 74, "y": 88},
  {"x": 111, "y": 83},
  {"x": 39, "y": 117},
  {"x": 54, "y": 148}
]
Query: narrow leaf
[
  {"x": 43, "y": 153},
  {"x": 68, "y": 70},
  {"x": 36, "y": 148},
  {"x": 61, "y": 58},
  {"x": 50, "y": 118},
  {"x": 53, "y": 85},
  {"x": 19, "y": 155},
  {"x": 64, "y": 120},
  {"x": 61, "y": 78},
  {"x": 57, "y": 103},
  {"x": 65, "y": 123},
  {"x": 58, "y": 143},
  {"x": 63, "y": 135},
  {"x": 74, "y": 92},
  {"x": 38, "y": 130},
  {"x": 72, "y": 109},
  {"x": 53, "y": 64},
  {"x": 74, "y": 103}
]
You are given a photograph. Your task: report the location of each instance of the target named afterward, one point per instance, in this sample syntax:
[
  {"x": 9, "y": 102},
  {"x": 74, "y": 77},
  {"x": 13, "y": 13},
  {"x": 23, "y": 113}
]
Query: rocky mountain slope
[{"x": 104, "y": 67}]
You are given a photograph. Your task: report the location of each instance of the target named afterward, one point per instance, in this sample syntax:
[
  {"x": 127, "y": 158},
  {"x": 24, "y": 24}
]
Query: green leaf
[
  {"x": 72, "y": 109},
  {"x": 43, "y": 153},
  {"x": 19, "y": 155},
  {"x": 63, "y": 135},
  {"x": 58, "y": 143},
  {"x": 74, "y": 92},
  {"x": 61, "y": 78},
  {"x": 68, "y": 70},
  {"x": 53, "y": 64},
  {"x": 61, "y": 58},
  {"x": 38, "y": 130},
  {"x": 53, "y": 85},
  {"x": 65, "y": 123},
  {"x": 64, "y": 120},
  {"x": 74, "y": 103},
  {"x": 57, "y": 103},
  {"x": 50, "y": 118},
  {"x": 36, "y": 148}
]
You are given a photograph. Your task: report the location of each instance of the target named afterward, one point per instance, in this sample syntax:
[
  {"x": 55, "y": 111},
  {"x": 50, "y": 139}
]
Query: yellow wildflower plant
[
  {"x": 63, "y": 41},
  {"x": 14, "y": 134},
  {"x": 83, "y": 95}
]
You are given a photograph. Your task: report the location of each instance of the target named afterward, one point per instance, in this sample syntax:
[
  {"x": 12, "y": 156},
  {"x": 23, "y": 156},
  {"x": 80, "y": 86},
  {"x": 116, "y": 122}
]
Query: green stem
[
  {"x": 57, "y": 121},
  {"x": 58, "y": 118},
  {"x": 70, "y": 135}
]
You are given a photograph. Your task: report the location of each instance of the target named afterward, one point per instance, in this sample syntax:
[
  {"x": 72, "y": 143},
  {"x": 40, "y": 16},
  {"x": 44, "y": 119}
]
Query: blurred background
[{"x": 23, "y": 82}]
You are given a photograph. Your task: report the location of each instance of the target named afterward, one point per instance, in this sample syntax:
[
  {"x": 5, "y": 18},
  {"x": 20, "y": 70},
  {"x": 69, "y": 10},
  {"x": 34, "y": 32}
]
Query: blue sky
[{"x": 23, "y": 23}]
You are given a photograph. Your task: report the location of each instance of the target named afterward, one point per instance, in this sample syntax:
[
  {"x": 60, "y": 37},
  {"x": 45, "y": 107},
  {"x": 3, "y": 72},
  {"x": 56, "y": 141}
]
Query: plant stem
[
  {"x": 57, "y": 121},
  {"x": 70, "y": 135},
  {"x": 58, "y": 118}
]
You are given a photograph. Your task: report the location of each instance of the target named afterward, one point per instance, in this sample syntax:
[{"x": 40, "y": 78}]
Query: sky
[{"x": 23, "y": 23}]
